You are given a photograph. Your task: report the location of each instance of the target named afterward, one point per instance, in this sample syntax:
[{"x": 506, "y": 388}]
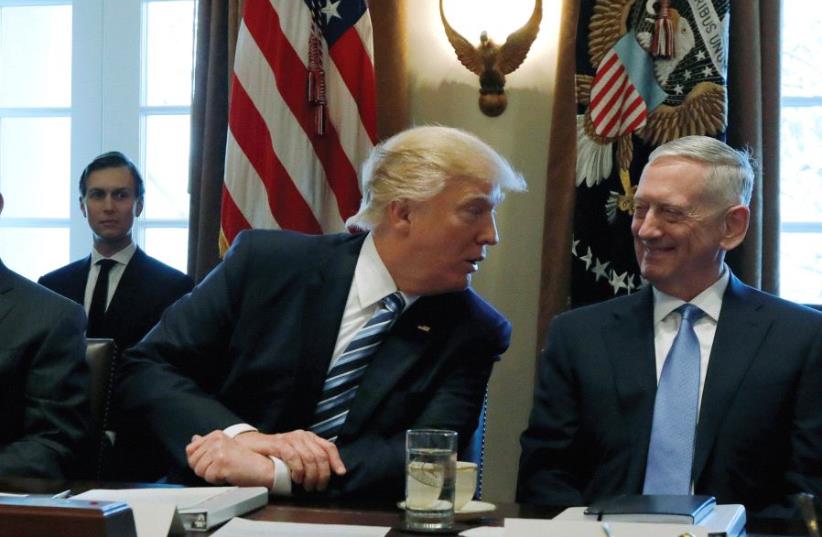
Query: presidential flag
[
  {"x": 647, "y": 72},
  {"x": 302, "y": 116}
]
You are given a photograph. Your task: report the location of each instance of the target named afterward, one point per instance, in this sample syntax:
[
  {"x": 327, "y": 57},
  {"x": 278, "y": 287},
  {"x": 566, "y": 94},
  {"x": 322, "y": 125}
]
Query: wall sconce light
[{"x": 491, "y": 61}]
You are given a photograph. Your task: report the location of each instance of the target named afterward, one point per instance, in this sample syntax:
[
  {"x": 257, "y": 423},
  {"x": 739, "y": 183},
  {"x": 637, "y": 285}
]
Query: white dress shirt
[
  {"x": 371, "y": 283},
  {"x": 667, "y": 321},
  {"x": 115, "y": 273}
]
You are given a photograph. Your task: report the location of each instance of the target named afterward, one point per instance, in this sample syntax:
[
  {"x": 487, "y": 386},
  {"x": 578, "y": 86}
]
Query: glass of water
[{"x": 430, "y": 472}]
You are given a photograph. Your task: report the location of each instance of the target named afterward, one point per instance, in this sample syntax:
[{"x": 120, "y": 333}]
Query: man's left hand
[{"x": 220, "y": 459}]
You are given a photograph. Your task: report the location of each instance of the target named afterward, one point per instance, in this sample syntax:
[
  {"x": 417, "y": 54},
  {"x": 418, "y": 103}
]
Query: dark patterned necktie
[
  {"x": 97, "y": 309},
  {"x": 343, "y": 379},
  {"x": 671, "y": 450}
]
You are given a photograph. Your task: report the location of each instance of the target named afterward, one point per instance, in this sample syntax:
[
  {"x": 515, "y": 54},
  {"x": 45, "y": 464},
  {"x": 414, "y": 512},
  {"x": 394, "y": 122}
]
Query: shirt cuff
[
  {"x": 282, "y": 478},
  {"x": 282, "y": 474},
  {"x": 238, "y": 428}
]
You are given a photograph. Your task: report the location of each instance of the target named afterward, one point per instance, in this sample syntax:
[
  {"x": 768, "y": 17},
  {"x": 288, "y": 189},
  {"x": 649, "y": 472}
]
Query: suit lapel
[
  {"x": 326, "y": 294},
  {"x": 76, "y": 281},
  {"x": 6, "y": 287},
  {"x": 739, "y": 333},
  {"x": 629, "y": 338},
  {"x": 399, "y": 351}
]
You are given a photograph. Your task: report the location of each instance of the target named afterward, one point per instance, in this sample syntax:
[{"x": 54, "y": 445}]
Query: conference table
[{"x": 370, "y": 513}]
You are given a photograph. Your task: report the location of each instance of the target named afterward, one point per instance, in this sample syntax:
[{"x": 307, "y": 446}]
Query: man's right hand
[{"x": 310, "y": 458}]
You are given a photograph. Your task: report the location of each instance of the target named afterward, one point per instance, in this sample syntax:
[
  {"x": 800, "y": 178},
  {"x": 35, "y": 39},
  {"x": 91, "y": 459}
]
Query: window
[
  {"x": 79, "y": 78},
  {"x": 800, "y": 155}
]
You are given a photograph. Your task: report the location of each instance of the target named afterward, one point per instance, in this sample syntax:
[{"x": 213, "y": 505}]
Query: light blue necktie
[
  {"x": 343, "y": 379},
  {"x": 671, "y": 450}
]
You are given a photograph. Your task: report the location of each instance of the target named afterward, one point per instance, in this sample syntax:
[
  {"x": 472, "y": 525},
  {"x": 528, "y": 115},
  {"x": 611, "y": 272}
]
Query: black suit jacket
[
  {"x": 759, "y": 435},
  {"x": 253, "y": 341},
  {"x": 44, "y": 414},
  {"x": 146, "y": 288}
]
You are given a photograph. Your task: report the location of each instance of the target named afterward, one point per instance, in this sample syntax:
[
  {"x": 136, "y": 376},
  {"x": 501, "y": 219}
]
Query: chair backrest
[
  {"x": 475, "y": 450},
  {"x": 101, "y": 355}
]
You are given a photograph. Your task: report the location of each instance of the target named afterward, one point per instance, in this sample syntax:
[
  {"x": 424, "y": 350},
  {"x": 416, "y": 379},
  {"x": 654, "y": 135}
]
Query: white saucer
[{"x": 472, "y": 509}]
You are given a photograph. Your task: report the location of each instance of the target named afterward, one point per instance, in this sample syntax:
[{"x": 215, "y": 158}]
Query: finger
[
  {"x": 215, "y": 472},
  {"x": 291, "y": 458},
  {"x": 333, "y": 453},
  {"x": 194, "y": 457},
  {"x": 196, "y": 441},
  {"x": 201, "y": 465},
  {"x": 213, "y": 448},
  {"x": 308, "y": 454},
  {"x": 320, "y": 450}
]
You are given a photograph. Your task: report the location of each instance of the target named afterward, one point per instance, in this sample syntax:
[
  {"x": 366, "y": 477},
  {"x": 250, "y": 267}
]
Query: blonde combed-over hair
[{"x": 416, "y": 164}]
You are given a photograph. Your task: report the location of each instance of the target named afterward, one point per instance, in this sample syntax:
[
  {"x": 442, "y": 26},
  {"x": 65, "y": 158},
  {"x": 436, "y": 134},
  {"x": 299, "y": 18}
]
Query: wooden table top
[{"x": 370, "y": 513}]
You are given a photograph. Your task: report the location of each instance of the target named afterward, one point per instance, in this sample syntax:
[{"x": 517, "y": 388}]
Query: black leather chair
[
  {"x": 475, "y": 450},
  {"x": 101, "y": 356}
]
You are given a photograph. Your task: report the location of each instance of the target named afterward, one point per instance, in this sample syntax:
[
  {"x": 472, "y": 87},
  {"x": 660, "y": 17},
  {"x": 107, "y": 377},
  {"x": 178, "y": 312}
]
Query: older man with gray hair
[
  {"x": 697, "y": 383},
  {"x": 301, "y": 360}
]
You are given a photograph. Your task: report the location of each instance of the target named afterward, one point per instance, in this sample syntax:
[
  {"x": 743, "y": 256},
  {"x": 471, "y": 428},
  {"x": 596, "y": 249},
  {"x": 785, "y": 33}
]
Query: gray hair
[
  {"x": 731, "y": 175},
  {"x": 417, "y": 163}
]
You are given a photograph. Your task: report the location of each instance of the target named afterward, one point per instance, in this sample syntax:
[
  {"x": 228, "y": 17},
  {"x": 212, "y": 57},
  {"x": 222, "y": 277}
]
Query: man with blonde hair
[
  {"x": 697, "y": 383},
  {"x": 301, "y": 360}
]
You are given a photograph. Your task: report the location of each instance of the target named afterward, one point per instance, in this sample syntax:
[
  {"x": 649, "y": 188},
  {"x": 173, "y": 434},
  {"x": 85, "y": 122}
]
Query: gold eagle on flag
[{"x": 701, "y": 111}]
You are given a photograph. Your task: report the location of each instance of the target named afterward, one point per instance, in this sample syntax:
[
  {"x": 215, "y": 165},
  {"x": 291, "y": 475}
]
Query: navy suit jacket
[
  {"x": 146, "y": 288},
  {"x": 759, "y": 435},
  {"x": 44, "y": 414},
  {"x": 253, "y": 341}
]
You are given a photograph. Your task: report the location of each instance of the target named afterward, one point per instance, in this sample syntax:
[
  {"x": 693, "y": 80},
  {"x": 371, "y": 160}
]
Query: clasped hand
[{"x": 244, "y": 460}]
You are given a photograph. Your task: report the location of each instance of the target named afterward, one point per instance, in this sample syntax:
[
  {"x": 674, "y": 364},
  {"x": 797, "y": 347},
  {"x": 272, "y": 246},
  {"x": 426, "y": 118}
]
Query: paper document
[
  {"x": 484, "y": 531},
  {"x": 240, "y": 527},
  {"x": 527, "y": 527}
]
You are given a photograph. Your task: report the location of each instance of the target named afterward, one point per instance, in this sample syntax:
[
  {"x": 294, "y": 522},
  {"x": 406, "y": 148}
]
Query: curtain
[
  {"x": 555, "y": 282},
  {"x": 753, "y": 121},
  {"x": 216, "y": 34}
]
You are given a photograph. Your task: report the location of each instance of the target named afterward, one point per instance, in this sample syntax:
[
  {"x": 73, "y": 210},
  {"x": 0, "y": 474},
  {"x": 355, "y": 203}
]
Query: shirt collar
[
  {"x": 372, "y": 278},
  {"x": 122, "y": 257},
  {"x": 709, "y": 300}
]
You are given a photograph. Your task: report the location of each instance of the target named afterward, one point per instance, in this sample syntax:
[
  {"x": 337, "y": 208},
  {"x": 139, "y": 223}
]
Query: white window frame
[{"x": 106, "y": 112}]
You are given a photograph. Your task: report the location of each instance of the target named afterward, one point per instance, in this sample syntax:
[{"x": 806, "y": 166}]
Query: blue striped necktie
[
  {"x": 671, "y": 450},
  {"x": 342, "y": 380}
]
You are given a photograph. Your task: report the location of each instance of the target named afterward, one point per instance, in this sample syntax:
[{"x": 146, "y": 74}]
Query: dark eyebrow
[{"x": 113, "y": 190}]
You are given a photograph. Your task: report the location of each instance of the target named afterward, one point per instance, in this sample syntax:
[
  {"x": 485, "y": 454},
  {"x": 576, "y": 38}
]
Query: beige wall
[{"x": 444, "y": 92}]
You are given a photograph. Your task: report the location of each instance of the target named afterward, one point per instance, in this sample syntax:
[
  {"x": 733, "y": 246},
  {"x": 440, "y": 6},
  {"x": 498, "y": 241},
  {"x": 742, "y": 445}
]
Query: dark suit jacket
[
  {"x": 44, "y": 414},
  {"x": 253, "y": 341},
  {"x": 759, "y": 435},
  {"x": 145, "y": 290}
]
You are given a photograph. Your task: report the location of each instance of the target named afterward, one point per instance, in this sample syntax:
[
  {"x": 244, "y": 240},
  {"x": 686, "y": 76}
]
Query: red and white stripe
[
  {"x": 616, "y": 107},
  {"x": 280, "y": 173}
]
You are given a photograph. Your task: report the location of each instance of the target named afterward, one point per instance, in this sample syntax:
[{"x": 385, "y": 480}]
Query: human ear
[
  {"x": 736, "y": 223},
  {"x": 398, "y": 215}
]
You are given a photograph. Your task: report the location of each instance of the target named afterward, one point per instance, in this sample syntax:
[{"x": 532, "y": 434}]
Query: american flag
[
  {"x": 616, "y": 107},
  {"x": 624, "y": 88},
  {"x": 302, "y": 116}
]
